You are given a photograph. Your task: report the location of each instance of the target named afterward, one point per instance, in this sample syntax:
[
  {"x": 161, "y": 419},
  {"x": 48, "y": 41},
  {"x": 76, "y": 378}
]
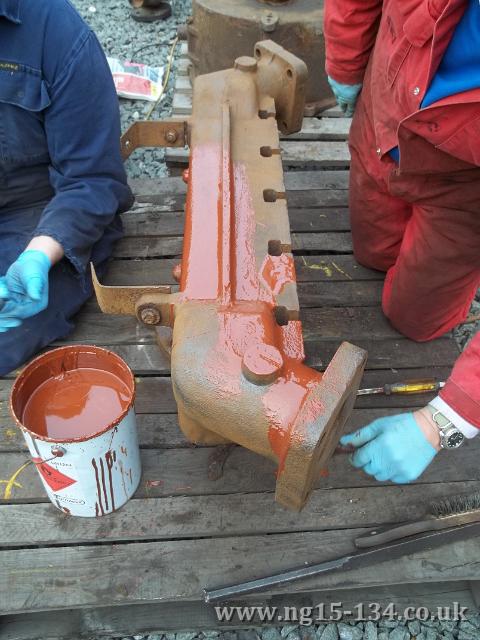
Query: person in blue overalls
[{"x": 62, "y": 181}]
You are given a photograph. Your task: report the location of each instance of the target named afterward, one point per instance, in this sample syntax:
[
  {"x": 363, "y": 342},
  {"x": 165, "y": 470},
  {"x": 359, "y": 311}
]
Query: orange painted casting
[{"x": 237, "y": 350}]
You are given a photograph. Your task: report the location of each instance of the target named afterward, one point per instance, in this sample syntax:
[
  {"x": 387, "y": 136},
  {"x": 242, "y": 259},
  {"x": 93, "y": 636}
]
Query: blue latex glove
[
  {"x": 346, "y": 95},
  {"x": 393, "y": 448},
  {"x": 24, "y": 288}
]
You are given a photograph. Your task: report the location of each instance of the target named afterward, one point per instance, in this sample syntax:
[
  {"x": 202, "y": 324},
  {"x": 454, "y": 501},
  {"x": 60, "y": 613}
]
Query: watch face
[{"x": 455, "y": 439}]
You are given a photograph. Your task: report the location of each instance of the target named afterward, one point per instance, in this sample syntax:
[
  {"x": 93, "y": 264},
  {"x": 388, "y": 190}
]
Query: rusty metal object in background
[
  {"x": 220, "y": 31},
  {"x": 237, "y": 351}
]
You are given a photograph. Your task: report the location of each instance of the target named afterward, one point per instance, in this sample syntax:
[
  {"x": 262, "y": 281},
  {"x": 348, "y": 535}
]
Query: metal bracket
[{"x": 154, "y": 133}]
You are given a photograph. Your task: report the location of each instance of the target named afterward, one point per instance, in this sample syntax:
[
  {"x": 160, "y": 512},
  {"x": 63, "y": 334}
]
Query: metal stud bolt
[
  {"x": 150, "y": 315},
  {"x": 171, "y": 136}
]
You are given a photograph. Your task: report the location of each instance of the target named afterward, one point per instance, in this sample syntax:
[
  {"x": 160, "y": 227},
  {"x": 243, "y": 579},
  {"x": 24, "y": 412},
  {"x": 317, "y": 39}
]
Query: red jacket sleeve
[
  {"x": 462, "y": 391},
  {"x": 350, "y": 28}
]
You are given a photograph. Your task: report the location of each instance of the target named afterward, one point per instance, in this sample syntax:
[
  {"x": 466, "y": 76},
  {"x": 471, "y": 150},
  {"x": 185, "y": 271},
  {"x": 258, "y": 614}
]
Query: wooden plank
[
  {"x": 181, "y": 105},
  {"x": 147, "y": 359},
  {"x": 157, "y": 423},
  {"x": 160, "y": 430},
  {"x": 183, "y": 84},
  {"x": 309, "y": 269},
  {"x": 322, "y": 129},
  {"x": 352, "y": 323},
  {"x": 304, "y": 153},
  {"x": 155, "y": 247},
  {"x": 144, "y": 219},
  {"x": 173, "y": 472},
  {"x": 160, "y": 617},
  {"x": 183, "y": 67},
  {"x": 215, "y": 516},
  {"x": 93, "y": 576},
  {"x": 145, "y": 188}
]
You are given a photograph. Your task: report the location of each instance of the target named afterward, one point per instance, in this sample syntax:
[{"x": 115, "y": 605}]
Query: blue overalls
[{"x": 61, "y": 172}]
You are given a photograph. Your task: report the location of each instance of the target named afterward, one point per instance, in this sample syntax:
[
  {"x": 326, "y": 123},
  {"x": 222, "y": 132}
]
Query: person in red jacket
[{"x": 410, "y": 70}]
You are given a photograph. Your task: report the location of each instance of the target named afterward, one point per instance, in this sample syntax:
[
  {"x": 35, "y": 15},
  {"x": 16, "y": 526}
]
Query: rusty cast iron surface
[
  {"x": 237, "y": 348},
  {"x": 220, "y": 31}
]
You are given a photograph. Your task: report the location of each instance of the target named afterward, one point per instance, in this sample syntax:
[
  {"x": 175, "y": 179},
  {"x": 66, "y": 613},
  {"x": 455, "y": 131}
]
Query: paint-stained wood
[{"x": 219, "y": 515}]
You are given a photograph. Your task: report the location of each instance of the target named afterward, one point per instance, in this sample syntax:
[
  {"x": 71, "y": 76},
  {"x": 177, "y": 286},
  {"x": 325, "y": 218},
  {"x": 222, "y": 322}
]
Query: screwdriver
[{"x": 406, "y": 387}]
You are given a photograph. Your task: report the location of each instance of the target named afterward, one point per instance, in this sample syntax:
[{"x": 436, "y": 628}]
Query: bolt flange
[{"x": 150, "y": 315}]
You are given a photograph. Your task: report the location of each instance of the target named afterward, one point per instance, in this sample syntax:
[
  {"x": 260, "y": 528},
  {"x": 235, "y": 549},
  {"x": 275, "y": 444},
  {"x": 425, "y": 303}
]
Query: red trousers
[{"x": 422, "y": 229}]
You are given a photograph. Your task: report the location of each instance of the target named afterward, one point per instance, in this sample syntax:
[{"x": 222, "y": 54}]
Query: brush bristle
[{"x": 453, "y": 505}]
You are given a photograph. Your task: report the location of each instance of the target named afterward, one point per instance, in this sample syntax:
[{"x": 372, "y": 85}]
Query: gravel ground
[
  {"x": 468, "y": 629},
  {"x": 124, "y": 38}
]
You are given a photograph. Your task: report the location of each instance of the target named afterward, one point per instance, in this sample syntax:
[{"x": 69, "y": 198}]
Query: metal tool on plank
[{"x": 461, "y": 510}]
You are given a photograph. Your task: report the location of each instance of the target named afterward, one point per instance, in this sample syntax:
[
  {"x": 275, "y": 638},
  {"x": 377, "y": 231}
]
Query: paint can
[{"x": 75, "y": 407}]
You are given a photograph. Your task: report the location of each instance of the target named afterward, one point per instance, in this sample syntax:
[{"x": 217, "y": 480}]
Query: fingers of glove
[
  {"x": 9, "y": 323},
  {"x": 364, "y": 435},
  {"x": 3, "y": 289},
  {"x": 364, "y": 456},
  {"x": 33, "y": 279},
  {"x": 349, "y": 111},
  {"x": 371, "y": 468}
]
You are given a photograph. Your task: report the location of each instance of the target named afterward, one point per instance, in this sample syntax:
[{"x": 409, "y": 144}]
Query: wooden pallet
[{"x": 143, "y": 569}]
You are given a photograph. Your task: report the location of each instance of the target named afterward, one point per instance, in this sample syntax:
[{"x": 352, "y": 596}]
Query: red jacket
[{"x": 398, "y": 45}]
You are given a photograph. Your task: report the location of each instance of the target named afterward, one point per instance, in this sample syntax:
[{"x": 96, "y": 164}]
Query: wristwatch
[{"x": 450, "y": 436}]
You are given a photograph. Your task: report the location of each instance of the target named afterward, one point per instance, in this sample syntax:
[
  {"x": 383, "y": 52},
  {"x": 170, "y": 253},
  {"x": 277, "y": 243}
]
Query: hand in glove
[
  {"x": 346, "y": 95},
  {"x": 24, "y": 288},
  {"x": 394, "y": 448}
]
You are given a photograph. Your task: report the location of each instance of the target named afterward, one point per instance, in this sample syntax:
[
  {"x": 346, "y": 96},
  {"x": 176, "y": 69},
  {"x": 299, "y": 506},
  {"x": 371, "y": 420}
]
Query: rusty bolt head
[
  {"x": 171, "y": 136},
  {"x": 262, "y": 363},
  {"x": 186, "y": 175},
  {"x": 177, "y": 272},
  {"x": 150, "y": 315},
  {"x": 245, "y": 63}
]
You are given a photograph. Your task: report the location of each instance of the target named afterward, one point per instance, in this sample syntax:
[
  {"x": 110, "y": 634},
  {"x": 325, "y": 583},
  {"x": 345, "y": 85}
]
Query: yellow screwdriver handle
[{"x": 413, "y": 386}]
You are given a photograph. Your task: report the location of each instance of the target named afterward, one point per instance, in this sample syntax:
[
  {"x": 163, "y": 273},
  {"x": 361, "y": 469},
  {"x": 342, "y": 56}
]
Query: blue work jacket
[{"x": 59, "y": 131}]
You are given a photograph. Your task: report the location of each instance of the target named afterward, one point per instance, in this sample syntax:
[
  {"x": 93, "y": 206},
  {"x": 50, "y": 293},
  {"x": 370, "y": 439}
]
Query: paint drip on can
[{"x": 75, "y": 407}]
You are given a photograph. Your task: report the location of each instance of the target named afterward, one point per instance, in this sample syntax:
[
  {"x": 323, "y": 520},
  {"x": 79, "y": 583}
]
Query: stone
[
  {"x": 468, "y": 627},
  {"x": 414, "y": 627},
  {"x": 383, "y": 635},
  {"x": 448, "y": 625},
  {"x": 288, "y": 628},
  {"x": 307, "y": 633},
  {"x": 399, "y": 633},
  {"x": 271, "y": 633},
  {"x": 294, "y": 635},
  {"x": 370, "y": 631},
  {"x": 210, "y": 634},
  {"x": 330, "y": 632},
  {"x": 347, "y": 632},
  {"x": 186, "y": 635},
  {"x": 431, "y": 634},
  {"x": 246, "y": 634}
]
